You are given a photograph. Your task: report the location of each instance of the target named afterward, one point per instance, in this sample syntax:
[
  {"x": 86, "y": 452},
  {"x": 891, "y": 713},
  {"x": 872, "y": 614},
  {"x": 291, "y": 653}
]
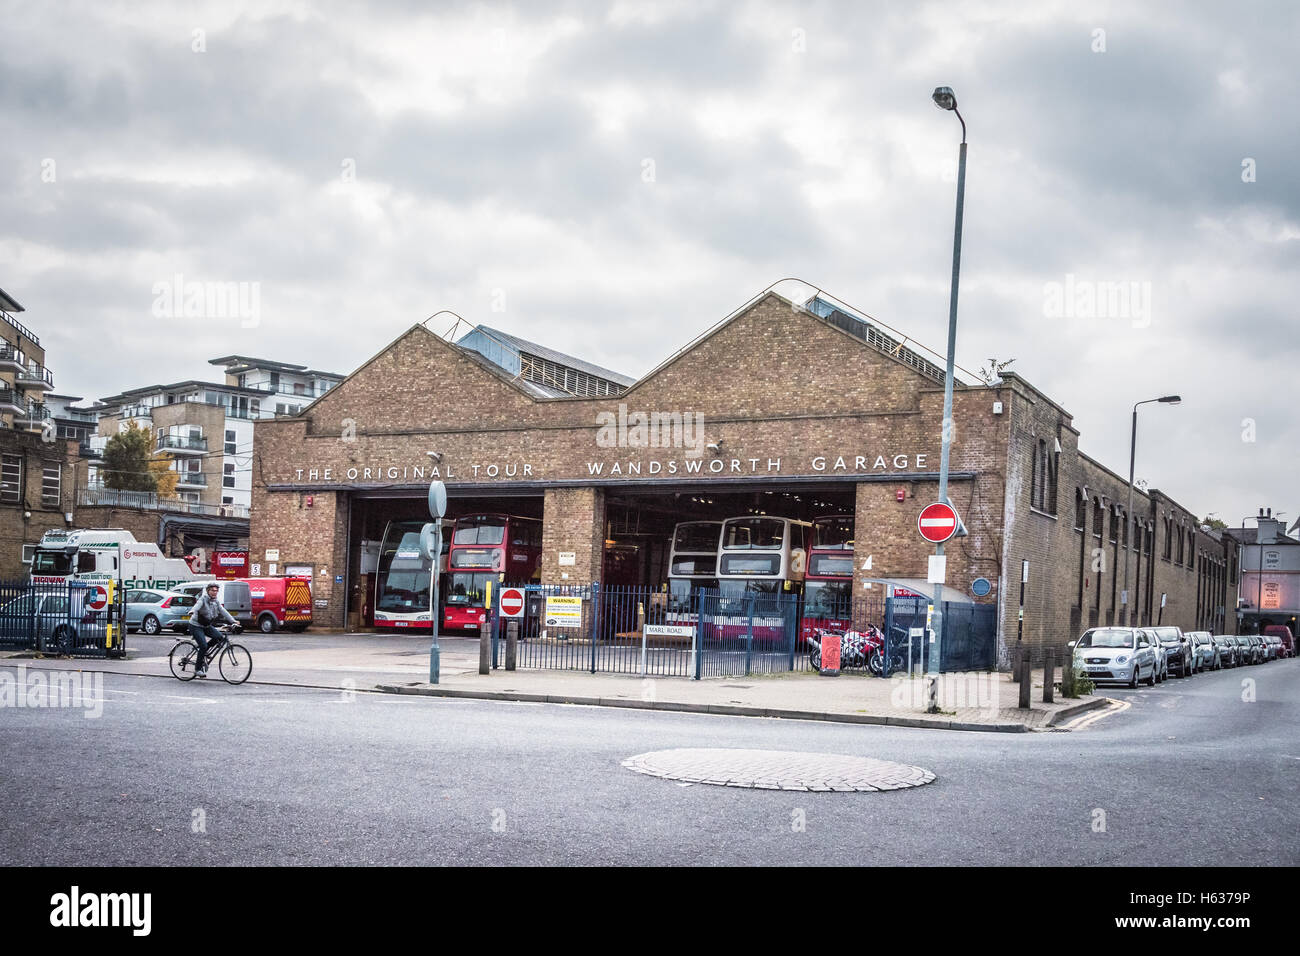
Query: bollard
[
  {"x": 484, "y": 648},
  {"x": 1026, "y": 678},
  {"x": 1016, "y": 653},
  {"x": 1049, "y": 676},
  {"x": 1067, "y": 673},
  {"x": 512, "y": 643}
]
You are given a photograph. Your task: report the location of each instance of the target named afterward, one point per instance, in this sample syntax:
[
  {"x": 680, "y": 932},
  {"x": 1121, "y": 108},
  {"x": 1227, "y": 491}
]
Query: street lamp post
[
  {"x": 945, "y": 99},
  {"x": 1128, "y": 515}
]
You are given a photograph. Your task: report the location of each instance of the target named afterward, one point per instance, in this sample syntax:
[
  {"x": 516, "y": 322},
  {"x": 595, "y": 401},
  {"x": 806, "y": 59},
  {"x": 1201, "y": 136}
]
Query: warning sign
[{"x": 563, "y": 611}]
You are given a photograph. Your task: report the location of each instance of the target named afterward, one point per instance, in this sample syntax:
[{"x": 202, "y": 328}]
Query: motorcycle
[{"x": 857, "y": 648}]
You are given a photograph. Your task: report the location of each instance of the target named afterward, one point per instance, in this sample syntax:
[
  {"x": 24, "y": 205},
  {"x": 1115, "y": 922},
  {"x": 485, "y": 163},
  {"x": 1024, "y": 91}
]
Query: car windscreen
[
  {"x": 51, "y": 562},
  {"x": 1107, "y": 637}
]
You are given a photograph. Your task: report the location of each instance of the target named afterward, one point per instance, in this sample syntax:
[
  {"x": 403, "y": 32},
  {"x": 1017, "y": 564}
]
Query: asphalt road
[{"x": 1189, "y": 774}]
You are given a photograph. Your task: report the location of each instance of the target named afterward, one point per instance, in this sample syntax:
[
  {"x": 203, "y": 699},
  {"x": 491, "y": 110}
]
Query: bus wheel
[{"x": 266, "y": 623}]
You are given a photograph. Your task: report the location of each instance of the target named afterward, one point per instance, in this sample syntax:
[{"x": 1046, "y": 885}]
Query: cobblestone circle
[{"x": 779, "y": 770}]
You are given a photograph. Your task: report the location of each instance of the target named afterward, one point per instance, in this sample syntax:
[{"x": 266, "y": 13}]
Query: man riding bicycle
[{"x": 207, "y": 610}]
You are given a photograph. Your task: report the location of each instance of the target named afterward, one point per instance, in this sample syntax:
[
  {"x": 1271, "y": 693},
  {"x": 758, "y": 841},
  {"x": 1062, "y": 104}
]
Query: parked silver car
[
  {"x": 1227, "y": 646},
  {"x": 1178, "y": 649},
  {"x": 46, "y": 618},
  {"x": 1205, "y": 654},
  {"x": 1122, "y": 654},
  {"x": 1162, "y": 658},
  {"x": 155, "y": 611}
]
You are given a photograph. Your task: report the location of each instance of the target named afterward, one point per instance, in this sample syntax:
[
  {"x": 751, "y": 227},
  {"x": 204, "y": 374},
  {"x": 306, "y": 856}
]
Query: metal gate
[{"x": 70, "y": 619}]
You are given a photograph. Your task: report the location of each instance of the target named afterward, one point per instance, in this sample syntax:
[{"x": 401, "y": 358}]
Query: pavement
[{"x": 399, "y": 664}]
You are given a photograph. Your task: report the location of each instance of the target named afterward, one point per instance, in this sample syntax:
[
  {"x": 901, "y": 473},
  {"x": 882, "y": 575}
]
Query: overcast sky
[{"x": 612, "y": 179}]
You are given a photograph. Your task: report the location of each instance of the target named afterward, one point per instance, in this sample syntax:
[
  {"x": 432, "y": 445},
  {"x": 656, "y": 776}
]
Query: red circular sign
[
  {"x": 512, "y": 602},
  {"x": 96, "y": 597},
  {"x": 937, "y": 522}
]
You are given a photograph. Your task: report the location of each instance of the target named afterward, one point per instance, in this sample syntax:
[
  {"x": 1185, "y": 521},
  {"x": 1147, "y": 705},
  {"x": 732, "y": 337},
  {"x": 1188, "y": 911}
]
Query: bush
[{"x": 1075, "y": 681}]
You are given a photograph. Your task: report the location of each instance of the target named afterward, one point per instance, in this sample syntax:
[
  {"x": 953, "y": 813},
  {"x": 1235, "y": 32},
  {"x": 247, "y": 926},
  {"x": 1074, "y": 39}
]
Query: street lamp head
[
  {"x": 1170, "y": 399},
  {"x": 945, "y": 98}
]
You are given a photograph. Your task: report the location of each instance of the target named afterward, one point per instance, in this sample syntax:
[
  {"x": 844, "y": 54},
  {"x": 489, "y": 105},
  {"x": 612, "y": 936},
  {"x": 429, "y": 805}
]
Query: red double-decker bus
[
  {"x": 487, "y": 547},
  {"x": 828, "y": 584}
]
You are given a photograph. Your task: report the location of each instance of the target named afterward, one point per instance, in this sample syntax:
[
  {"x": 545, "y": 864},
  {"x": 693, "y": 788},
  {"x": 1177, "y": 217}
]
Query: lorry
[{"x": 97, "y": 556}]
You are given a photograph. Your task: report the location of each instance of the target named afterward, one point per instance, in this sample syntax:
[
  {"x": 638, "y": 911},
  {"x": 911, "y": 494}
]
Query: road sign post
[
  {"x": 936, "y": 524},
  {"x": 431, "y": 545}
]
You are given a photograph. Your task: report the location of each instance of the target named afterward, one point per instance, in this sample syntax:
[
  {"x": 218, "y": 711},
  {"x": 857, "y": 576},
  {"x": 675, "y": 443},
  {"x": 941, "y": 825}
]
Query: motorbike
[{"x": 857, "y": 648}]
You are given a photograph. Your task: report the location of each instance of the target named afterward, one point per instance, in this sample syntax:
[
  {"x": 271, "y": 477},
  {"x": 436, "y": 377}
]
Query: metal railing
[
  {"x": 100, "y": 497},
  {"x": 182, "y": 442},
  {"x": 61, "y": 618},
  {"x": 634, "y": 630},
  {"x": 36, "y": 374},
  {"x": 20, "y": 327},
  {"x": 13, "y": 354},
  {"x": 35, "y": 412},
  {"x": 9, "y": 397},
  {"x": 193, "y": 478}
]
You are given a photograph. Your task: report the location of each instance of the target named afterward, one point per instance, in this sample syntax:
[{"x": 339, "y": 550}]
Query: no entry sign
[
  {"x": 96, "y": 597},
  {"x": 937, "y": 522},
  {"x": 512, "y": 602}
]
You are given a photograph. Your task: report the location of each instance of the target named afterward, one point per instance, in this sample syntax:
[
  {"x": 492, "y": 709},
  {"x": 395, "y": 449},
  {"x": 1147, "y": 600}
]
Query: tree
[
  {"x": 1214, "y": 523},
  {"x": 126, "y": 460},
  {"x": 160, "y": 466}
]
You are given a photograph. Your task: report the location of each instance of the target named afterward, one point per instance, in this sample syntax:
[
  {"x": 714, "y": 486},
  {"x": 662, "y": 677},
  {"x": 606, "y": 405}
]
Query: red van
[
  {"x": 1284, "y": 632},
  {"x": 280, "y": 603}
]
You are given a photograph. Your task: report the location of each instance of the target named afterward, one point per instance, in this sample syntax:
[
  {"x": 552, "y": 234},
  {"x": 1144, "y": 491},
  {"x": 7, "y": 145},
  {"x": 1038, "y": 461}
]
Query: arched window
[
  {"x": 1098, "y": 516},
  {"x": 1080, "y": 510}
]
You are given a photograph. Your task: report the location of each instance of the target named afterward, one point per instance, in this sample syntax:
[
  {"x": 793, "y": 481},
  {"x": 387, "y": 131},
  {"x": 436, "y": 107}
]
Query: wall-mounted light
[
  {"x": 714, "y": 446},
  {"x": 435, "y": 455}
]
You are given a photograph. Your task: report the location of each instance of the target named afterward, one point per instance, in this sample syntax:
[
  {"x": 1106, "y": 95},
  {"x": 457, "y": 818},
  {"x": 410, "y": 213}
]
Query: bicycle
[{"x": 234, "y": 662}]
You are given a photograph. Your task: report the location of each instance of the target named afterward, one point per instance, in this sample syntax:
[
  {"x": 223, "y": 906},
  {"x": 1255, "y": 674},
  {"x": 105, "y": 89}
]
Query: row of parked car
[
  {"x": 269, "y": 604},
  {"x": 1133, "y": 655}
]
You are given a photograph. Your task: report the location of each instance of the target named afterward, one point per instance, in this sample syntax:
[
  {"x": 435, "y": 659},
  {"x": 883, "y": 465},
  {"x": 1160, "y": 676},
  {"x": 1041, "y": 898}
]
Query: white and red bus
[
  {"x": 762, "y": 561},
  {"x": 488, "y": 547},
  {"x": 402, "y": 576},
  {"x": 828, "y": 583},
  {"x": 692, "y": 565}
]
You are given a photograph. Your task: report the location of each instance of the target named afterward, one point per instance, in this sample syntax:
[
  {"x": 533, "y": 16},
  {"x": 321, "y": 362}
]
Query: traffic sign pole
[{"x": 437, "y": 508}]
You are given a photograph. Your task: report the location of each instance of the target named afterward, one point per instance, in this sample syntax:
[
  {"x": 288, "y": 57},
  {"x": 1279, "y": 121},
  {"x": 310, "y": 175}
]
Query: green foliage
[
  {"x": 1214, "y": 523},
  {"x": 1075, "y": 681},
  {"x": 126, "y": 460}
]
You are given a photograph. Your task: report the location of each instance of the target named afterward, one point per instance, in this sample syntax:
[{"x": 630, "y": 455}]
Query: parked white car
[{"x": 1122, "y": 654}]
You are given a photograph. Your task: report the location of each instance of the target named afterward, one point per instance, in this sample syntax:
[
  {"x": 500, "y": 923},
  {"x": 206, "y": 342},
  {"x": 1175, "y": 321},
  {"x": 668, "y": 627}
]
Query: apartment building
[
  {"x": 207, "y": 427},
  {"x": 24, "y": 379}
]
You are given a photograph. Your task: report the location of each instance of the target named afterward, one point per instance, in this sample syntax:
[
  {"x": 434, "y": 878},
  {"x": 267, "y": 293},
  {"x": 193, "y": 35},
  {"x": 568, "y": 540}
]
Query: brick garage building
[{"x": 805, "y": 401}]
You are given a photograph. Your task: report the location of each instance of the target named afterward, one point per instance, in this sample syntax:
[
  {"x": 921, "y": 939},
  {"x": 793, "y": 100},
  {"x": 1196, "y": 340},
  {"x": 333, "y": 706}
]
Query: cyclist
[{"x": 207, "y": 611}]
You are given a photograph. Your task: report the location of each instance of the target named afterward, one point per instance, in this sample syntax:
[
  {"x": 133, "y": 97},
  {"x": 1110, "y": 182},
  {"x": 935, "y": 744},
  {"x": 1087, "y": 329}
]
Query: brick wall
[{"x": 16, "y": 529}]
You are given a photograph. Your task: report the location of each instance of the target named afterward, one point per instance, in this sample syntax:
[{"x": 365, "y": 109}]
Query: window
[
  {"x": 1114, "y": 525},
  {"x": 227, "y": 500},
  {"x": 1168, "y": 526},
  {"x": 1150, "y": 539},
  {"x": 11, "y": 478},
  {"x": 1123, "y": 529},
  {"x": 1038, "y": 480},
  {"x": 52, "y": 484},
  {"x": 230, "y": 441},
  {"x": 1098, "y": 517},
  {"x": 228, "y": 477},
  {"x": 1181, "y": 551},
  {"x": 1080, "y": 510}
]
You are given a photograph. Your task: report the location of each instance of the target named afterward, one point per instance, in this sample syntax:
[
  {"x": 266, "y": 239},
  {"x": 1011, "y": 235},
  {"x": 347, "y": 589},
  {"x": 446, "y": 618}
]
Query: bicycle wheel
[
  {"x": 181, "y": 660},
  {"x": 235, "y": 664}
]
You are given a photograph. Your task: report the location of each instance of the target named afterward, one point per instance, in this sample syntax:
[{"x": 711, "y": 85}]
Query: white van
[
  {"x": 235, "y": 596},
  {"x": 110, "y": 554}
]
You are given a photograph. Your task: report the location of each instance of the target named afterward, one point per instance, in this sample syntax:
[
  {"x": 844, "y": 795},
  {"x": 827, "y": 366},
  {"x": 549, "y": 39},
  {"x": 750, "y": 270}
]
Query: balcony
[
  {"x": 12, "y": 359},
  {"x": 135, "y": 411},
  {"x": 33, "y": 415},
  {"x": 182, "y": 444},
  {"x": 97, "y": 496},
  {"x": 22, "y": 329},
  {"x": 11, "y": 402},
  {"x": 192, "y": 479},
  {"x": 34, "y": 377}
]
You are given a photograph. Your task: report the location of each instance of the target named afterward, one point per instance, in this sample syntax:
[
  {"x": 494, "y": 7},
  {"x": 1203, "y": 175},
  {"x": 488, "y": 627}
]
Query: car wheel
[
  {"x": 1151, "y": 678},
  {"x": 150, "y": 625},
  {"x": 266, "y": 623},
  {"x": 1133, "y": 681}
]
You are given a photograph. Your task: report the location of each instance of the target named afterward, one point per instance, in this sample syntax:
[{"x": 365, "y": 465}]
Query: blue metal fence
[
  {"x": 632, "y": 630},
  {"x": 65, "y": 618}
]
